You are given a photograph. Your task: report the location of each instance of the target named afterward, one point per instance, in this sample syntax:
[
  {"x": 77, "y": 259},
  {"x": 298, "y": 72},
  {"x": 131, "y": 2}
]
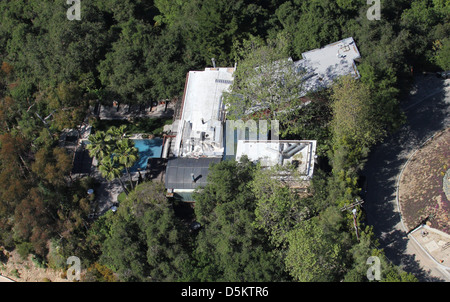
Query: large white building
[
  {"x": 319, "y": 68},
  {"x": 298, "y": 153},
  {"x": 200, "y": 137},
  {"x": 324, "y": 65},
  {"x": 200, "y": 129}
]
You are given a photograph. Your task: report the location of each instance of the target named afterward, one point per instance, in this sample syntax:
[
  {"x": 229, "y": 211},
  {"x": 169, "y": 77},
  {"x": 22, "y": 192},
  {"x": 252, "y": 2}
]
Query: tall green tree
[
  {"x": 98, "y": 146},
  {"x": 229, "y": 247},
  {"x": 266, "y": 83},
  {"x": 52, "y": 165},
  {"x": 353, "y": 128},
  {"x": 111, "y": 170},
  {"x": 127, "y": 155},
  {"x": 310, "y": 256},
  {"x": 352, "y": 113},
  {"x": 313, "y": 24},
  {"x": 124, "y": 251},
  {"x": 123, "y": 71},
  {"x": 278, "y": 208},
  {"x": 146, "y": 241},
  {"x": 442, "y": 53}
]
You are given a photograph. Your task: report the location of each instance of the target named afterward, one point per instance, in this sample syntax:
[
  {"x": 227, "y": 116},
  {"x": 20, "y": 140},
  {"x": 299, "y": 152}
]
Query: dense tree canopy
[
  {"x": 145, "y": 241},
  {"x": 229, "y": 247},
  {"x": 136, "y": 52}
]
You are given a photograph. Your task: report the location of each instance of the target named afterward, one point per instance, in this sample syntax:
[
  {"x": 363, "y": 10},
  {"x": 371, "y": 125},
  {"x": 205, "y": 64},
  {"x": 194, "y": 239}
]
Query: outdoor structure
[
  {"x": 74, "y": 141},
  {"x": 299, "y": 154},
  {"x": 200, "y": 128},
  {"x": 184, "y": 175},
  {"x": 198, "y": 140},
  {"x": 324, "y": 65},
  {"x": 320, "y": 67}
]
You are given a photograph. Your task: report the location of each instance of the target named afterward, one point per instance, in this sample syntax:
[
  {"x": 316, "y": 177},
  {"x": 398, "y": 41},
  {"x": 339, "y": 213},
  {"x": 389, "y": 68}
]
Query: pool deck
[{"x": 107, "y": 191}]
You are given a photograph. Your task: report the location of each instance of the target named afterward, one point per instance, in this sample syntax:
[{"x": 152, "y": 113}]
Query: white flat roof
[
  {"x": 326, "y": 64},
  {"x": 203, "y": 112},
  {"x": 320, "y": 67},
  {"x": 280, "y": 152}
]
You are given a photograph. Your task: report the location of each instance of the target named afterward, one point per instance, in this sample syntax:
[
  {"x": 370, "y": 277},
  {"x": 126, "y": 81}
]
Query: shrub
[{"x": 24, "y": 249}]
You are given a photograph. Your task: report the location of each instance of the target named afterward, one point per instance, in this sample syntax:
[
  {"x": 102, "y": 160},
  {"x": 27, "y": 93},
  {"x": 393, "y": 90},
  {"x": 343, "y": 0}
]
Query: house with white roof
[
  {"x": 200, "y": 137},
  {"x": 200, "y": 128},
  {"x": 324, "y": 65},
  {"x": 320, "y": 67},
  {"x": 298, "y": 155}
]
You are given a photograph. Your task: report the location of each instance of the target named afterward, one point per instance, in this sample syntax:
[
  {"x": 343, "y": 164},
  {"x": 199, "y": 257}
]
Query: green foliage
[
  {"x": 310, "y": 256},
  {"x": 52, "y": 165},
  {"x": 99, "y": 273},
  {"x": 24, "y": 249},
  {"x": 98, "y": 146},
  {"x": 55, "y": 259},
  {"x": 114, "y": 152},
  {"x": 278, "y": 209},
  {"x": 228, "y": 247},
  {"x": 140, "y": 51},
  {"x": 265, "y": 80},
  {"x": 352, "y": 113},
  {"x": 122, "y": 71},
  {"x": 442, "y": 56},
  {"x": 145, "y": 242},
  {"x": 313, "y": 24},
  {"x": 170, "y": 11},
  {"x": 124, "y": 251}
]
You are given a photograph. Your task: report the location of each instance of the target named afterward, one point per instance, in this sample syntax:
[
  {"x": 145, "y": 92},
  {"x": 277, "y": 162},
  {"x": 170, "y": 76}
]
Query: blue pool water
[{"x": 148, "y": 148}]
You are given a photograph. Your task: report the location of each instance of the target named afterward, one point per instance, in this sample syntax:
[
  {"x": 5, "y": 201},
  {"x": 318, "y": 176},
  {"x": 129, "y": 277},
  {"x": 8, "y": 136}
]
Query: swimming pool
[{"x": 148, "y": 148}]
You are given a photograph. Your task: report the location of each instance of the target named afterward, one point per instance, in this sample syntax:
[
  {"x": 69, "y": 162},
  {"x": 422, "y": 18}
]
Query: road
[{"x": 427, "y": 108}]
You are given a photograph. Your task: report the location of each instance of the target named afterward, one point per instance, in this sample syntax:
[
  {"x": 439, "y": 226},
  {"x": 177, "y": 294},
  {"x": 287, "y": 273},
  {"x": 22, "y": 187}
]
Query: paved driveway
[{"x": 428, "y": 111}]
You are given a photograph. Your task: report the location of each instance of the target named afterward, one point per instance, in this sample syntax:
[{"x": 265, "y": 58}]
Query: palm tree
[
  {"x": 115, "y": 134},
  {"x": 99, "y": 147},
  {"x": 111, "y": 170},
  {"x": 127, "y": 154}
]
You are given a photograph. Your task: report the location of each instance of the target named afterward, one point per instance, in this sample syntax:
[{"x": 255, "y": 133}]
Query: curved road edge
[
  {"x": 427, "y": 108},
  {"x": 445, "y": 270}
]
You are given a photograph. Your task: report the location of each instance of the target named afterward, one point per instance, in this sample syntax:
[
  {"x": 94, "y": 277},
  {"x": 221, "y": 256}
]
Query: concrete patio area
[{"x": 435, "y": 243}]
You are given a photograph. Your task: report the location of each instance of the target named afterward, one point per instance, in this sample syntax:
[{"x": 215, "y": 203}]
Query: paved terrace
[{"x": 435, "y": 243}]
